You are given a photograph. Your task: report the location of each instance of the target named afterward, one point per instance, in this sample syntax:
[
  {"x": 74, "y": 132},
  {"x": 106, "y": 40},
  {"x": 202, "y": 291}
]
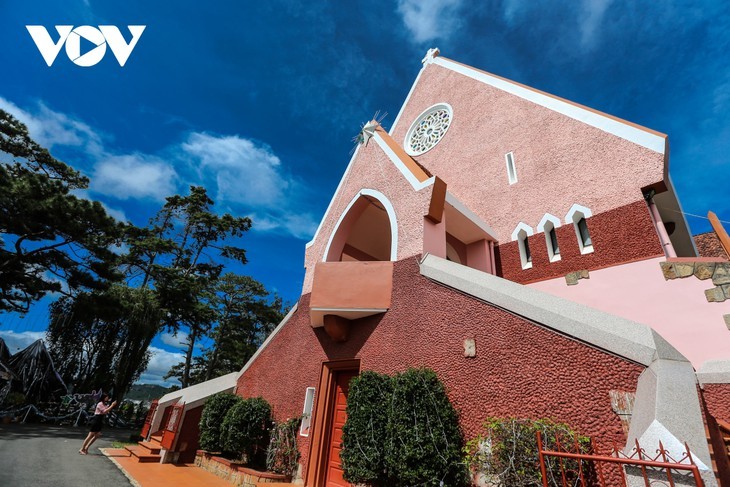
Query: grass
[{"x": 122, "y": 444}]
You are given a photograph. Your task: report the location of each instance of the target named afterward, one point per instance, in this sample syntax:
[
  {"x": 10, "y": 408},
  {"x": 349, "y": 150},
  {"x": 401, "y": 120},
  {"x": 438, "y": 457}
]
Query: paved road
[{"x": 35, "y": 455}]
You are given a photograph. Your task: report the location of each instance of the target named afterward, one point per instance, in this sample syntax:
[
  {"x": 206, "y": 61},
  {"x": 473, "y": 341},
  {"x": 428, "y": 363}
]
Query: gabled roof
[{"x": 645, "y": 137}]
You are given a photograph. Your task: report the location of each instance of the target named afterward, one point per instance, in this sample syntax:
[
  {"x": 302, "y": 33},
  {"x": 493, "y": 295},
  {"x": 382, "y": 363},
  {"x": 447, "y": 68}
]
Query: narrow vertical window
[
  {"x": 511, "y": 170},
  {"x": 585, "y": 236},
  {"x": 307, "y": 412},
  {"x": 525, "y": 253},
  {"x": 577, "y": 216},
  {"x": 551, "y": 240}
]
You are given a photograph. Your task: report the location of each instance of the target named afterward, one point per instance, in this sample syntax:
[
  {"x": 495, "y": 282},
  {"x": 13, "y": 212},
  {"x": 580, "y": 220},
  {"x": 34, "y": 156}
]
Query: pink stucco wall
[
  {"x": 677, "y": 308},
  {"x": 372, "y": 169},
  {"x": 559, "y": 160},
  {"x": 520, "y": 369}
]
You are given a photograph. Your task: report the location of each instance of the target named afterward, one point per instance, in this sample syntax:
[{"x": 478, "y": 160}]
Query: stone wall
[
  {"x": 235, "y": 474},
  {"x": 707, "y": 269}
]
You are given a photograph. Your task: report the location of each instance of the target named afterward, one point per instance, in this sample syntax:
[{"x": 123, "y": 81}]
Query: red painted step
[
  {"x": 143, "y": 455},
  {"x": 152, "y": 447}
]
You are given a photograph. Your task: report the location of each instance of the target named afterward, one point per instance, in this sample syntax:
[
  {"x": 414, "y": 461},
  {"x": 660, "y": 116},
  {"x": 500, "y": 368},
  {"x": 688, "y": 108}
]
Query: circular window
[{"x": 428, "y": 129}]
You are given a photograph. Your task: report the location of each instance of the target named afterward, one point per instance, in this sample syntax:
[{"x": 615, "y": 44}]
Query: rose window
[{"x": 428, "y": 129}]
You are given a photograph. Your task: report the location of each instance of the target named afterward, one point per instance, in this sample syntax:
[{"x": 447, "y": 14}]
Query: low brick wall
[{"x": 236, "y": 474}]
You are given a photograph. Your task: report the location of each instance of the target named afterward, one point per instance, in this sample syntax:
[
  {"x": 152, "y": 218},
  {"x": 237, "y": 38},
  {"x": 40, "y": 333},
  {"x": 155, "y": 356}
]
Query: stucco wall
[
  {"x": 372, "y": 169},
  {"x": 717, "y": 399},
  {"x": 520, "y": 369},
  {"x": 620, "y": 235},
  {"x": 677, "y": 309},
  {"x": 560, "y": 161}
]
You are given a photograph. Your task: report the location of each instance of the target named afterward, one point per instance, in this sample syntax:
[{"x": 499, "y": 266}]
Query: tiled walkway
[{"x": 162, "y": 474}]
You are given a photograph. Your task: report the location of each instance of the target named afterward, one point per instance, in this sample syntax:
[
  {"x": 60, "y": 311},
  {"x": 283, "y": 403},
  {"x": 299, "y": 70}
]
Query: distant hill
[{"x": 147, "y": 392}]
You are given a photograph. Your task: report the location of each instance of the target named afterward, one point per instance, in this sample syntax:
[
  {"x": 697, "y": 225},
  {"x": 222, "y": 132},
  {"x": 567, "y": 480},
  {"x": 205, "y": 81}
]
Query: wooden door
[{"x": 333, "y": 475}]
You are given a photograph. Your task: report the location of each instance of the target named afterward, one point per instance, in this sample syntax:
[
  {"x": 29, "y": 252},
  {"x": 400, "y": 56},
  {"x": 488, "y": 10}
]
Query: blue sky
[{"x": 259, "y": 101}]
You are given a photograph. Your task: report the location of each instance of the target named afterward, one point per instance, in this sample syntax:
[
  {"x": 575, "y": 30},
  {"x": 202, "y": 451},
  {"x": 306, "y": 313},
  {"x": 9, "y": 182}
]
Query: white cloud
[
  {"x": 298, "y": 225},
  {"x": 50, "y": 128},
  {"x": 160, "y": 363},
  {"x": 134, "y": 176},
  {"x": 428, "y": 20},
  {"x": 246, "y": 173},
  {"x": 175, "y": 340},
  {"x": 18, "y": 341},
  {"x": 591, "y": 20}
]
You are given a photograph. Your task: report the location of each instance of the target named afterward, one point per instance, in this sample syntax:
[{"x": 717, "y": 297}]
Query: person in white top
[{"x": 97, "y": 422}]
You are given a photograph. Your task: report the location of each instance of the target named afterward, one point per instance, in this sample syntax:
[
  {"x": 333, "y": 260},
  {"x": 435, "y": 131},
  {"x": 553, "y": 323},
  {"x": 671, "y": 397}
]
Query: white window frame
[
  {"x": 573, "y": 217},
  {"x": 550, "y": 222},
  {"x": 509, "y": 159},
  {"x": 307, "y": 412},
  {"x": 520, "y": 234}
]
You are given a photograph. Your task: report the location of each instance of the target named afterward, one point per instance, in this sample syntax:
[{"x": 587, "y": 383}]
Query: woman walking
[{"x": 97, "y": 422}]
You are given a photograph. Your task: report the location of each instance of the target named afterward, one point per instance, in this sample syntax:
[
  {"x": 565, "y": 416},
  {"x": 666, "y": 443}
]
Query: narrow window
[
  {"x": 307, "y": 412},
  {"x": 551, "y": 239},
  {"x": 554, "y": 242},
  {"x": 511, "y": 170},
  {"x": 525, "y": 253},
  {"x": 585, "y": 236},
  {"x": 577, "y": 217}
]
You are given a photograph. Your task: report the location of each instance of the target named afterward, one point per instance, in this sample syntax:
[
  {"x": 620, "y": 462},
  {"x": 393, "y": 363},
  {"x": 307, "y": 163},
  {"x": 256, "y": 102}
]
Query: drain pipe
[{"x": 659, "y": 225}]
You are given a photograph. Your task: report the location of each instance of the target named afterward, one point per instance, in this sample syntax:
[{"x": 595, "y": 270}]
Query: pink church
[{"x": 530, "y": 250}]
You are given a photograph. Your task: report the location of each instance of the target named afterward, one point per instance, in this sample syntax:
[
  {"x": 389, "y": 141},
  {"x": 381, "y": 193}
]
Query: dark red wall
[
  {"x": 622, "y": 235},
  {"x": 520, "y": 369},
  {"x": 189, "y": 434},
  {"x": 717, "y": 399}
]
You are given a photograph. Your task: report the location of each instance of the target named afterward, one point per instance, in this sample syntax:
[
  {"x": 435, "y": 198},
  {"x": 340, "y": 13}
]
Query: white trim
[
  {"x": 334, "y": 195},
  {"x": 391, "y": 216},
  {"x": 267, "y": 341},
  {"x": 570, "y": 217},
  {"x": 651, "y": 141},
  {"x": 548, "y": 218},
  {"x": 403, "y": 106},
  {"x": 354, "y": 310},
  {"x": 417, "y": 185},
  {"x": 522, "y": 226},
  {"x": 473, "y": 217},
  {"x": 419, "y": 118},
  {"x": 576, "y": 208},
  {"x": 509, "y": 159}
]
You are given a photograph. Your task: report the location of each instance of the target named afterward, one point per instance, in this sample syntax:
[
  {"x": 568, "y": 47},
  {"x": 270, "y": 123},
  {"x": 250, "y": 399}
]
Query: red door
[{"x": 333, "y": 476}]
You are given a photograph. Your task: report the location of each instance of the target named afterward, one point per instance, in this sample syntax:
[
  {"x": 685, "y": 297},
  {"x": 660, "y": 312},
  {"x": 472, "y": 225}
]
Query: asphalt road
[{"x": 46, "y": 455}]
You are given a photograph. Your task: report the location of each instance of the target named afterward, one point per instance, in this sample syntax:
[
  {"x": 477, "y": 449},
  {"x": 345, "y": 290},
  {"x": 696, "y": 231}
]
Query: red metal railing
[
  {"x": 574, "y": 468},
  {"x": 148, "y": 420}
]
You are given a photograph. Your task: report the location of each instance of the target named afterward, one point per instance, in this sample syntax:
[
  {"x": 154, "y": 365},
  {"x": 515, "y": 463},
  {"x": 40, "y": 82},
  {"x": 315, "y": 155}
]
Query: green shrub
[
  {"x": 506, "y": 452},
  {"x": 282, "y": 456},
  {"x": 14, "y": 400},
  {"x": 365, "y": 431},
  {"x": 245, "y": 431},
  {"x": 402, "y": 431},
  {"x": 211, "y": 421}
]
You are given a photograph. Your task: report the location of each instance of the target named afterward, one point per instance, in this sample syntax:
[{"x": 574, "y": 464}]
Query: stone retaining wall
[{"x": 236, "y": 474}]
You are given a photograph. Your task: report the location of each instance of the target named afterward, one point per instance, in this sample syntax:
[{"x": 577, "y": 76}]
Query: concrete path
[{"x": 39, "y": 455}]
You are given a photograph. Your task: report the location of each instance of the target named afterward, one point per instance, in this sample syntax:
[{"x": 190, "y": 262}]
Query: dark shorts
[{"x": 96, "y": 423}]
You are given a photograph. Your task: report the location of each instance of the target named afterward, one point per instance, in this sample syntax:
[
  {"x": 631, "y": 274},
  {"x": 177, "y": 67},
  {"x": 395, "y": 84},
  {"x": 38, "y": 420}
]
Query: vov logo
[{"x": 105, "y": 35}]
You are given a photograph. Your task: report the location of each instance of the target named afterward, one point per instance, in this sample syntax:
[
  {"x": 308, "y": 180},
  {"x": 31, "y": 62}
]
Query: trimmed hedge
[
  {"x": 245, "y": 431},
  {"x": 506, "y": 452},
  {"x": 211, "y": 421},
  {"x": 402, "y": 431}
]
